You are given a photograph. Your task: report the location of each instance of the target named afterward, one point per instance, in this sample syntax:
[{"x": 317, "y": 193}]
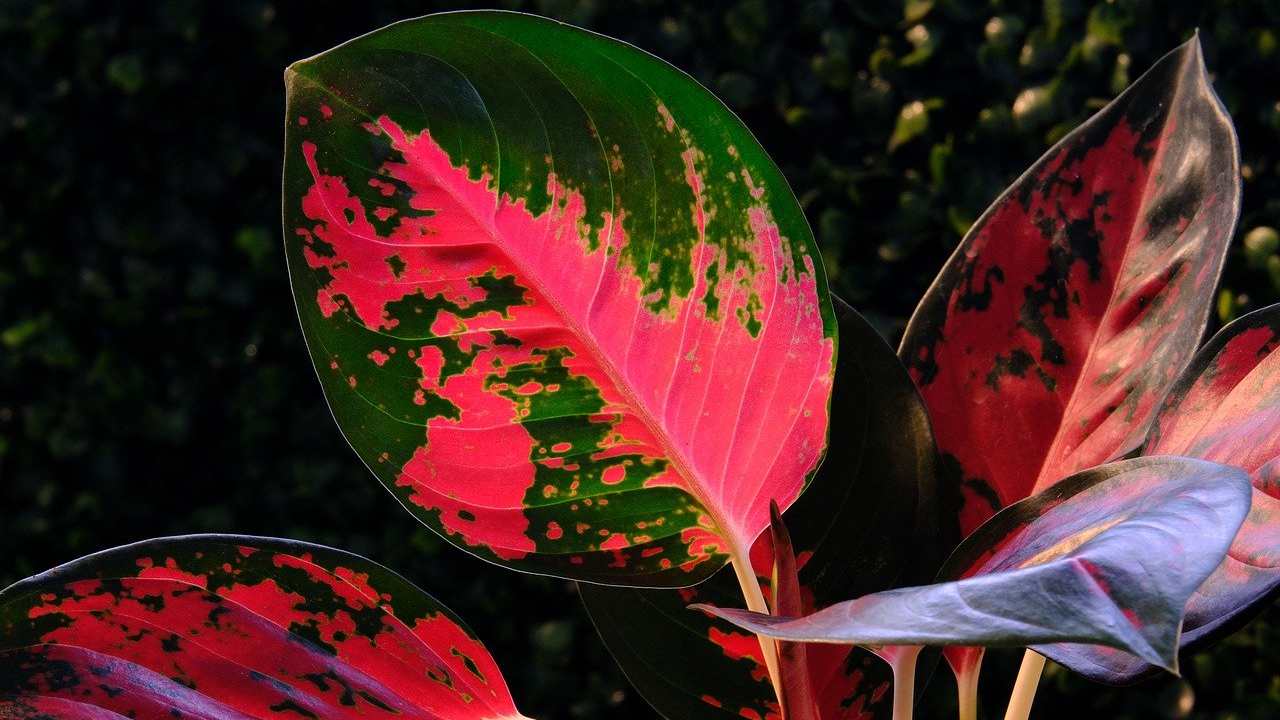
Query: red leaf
[
  {"x": 798, "y": 700},
  {"x": 218, "y": 626},
  {"x": 1050, "y": 336}
]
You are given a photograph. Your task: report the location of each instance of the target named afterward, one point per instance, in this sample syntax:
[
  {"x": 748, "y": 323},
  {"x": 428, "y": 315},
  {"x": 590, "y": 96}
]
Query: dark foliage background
[{"x": 153, "y": 379}]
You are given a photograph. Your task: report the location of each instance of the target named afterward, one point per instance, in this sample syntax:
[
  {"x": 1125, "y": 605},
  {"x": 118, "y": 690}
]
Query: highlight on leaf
[
  {"x": 560, "y": 301},
  {"x": 1108, "y": 556},
  {"x": 234, "y": 626},
  {"x": 1225, "y": 408},
  {"x": 1076, "y": 300},
  {"x": 867, "y": 522}
]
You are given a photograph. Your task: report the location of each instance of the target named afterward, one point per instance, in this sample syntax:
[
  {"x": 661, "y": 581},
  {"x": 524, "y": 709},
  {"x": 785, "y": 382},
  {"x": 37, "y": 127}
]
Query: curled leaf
[
  {"x": 1108, "y": 556},
  {"x": 796, "y": 687}
]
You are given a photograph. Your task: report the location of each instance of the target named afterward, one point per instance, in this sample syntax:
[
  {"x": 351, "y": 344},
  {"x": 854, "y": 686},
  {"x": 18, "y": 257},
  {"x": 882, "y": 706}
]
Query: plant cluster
[{"x": 569, "y": 313}]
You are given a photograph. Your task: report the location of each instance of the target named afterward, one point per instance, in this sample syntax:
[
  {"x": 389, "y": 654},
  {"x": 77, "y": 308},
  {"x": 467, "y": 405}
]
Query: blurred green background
[{"x": 152, "y": 375}]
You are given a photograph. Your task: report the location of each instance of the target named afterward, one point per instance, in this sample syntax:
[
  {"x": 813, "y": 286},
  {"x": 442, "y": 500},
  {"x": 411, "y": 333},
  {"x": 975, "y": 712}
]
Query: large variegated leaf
[
  {"x": 561, "y": 302},
  {"x": 866, "y": 523},
  {"x": 231, "y": 627},
  {"x": 1051, "y": 335},
  {"x": 1109, "y": 556},
  {"x": 1225, "y": 408}
]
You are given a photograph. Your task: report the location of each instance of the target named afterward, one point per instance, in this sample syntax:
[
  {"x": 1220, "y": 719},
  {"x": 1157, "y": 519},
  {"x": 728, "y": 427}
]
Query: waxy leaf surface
[
  {"x": 559, "y": 299},
  {"x": 1225, "y": 408},
  {"x": 866, "y": 523},
  {"x": 232, "y": 627},
  {"x": 1108, "y": 556},
  {"x": 1053, "y": 332}
]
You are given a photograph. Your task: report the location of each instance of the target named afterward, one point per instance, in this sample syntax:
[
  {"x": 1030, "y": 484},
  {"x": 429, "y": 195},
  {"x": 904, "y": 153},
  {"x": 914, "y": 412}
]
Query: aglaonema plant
[{"x": 568, "y": 311}]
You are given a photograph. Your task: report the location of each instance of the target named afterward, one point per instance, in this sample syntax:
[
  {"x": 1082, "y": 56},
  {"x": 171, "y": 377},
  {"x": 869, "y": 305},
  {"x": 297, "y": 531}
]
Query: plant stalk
[
  {"x": 1024, "y": 688},
  {"x": 754, "y": 597},
  {"x": 904, "y": 682},
  {"x": 967, "y": 692}
]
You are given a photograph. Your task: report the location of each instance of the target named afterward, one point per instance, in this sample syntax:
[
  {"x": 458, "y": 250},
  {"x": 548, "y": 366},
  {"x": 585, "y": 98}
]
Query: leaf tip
[
  {"x": 1168, "y": 660},
  {"x": 704, "y": 608},
  {"x": 1160, "y": 652},
  {"x": 1194, "y": 52},
  {"x": 784, "y": 556},
  {"x": 1190, "y": 57},
  {"x": 290, "y": 78}
]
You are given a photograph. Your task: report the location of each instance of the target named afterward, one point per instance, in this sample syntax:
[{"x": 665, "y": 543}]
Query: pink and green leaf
[
  {"x": 559, "y": 299},
  {"x": 1109, "y": 556},
  {"x": 866, "y": 523},
  {"x": 1051, "y": 335},
  {"x": 1225, "y": 408},
  {"x": 221, "y": 626}
]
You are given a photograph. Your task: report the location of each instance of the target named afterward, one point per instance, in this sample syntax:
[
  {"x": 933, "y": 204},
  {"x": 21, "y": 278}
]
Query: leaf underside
[
  {"x": 1225, "y": 408},
  {"x": 221, "y": 626},
  {"x": 560, "y": 301},
  {"x": 866, "y": 523},
  {"x": 1049, "y": 338},
  {"x": 1108, "y": 556}
]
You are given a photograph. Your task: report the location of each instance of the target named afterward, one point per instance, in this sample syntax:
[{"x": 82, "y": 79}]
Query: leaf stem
[
  {"x": 754, "y": 597},
  {"x": 967, "y": 691},
  {"x": 1024, "y": 688},
  {"x": 904, "y": 682}
]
